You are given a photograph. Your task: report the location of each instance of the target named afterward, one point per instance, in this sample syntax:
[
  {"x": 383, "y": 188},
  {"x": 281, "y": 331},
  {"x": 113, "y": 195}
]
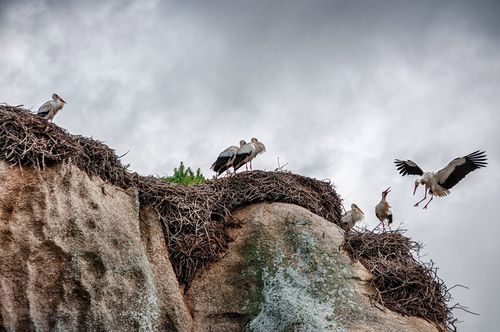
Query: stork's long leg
[
  {"x": 423, "y": 199},
  {"x": 251, "y": 165},
  {"x": 432, "y": 197}
]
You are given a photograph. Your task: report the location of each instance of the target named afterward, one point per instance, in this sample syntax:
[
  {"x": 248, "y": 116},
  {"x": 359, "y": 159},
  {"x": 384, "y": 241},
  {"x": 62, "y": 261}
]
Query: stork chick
[
  {"x": 438, "y": 183},
  {"x": 383, "y": 209},
  {"x": 352, "y": 217},
  {"x": 50, "y": 108},
  {"x": 225, "y": 159}
]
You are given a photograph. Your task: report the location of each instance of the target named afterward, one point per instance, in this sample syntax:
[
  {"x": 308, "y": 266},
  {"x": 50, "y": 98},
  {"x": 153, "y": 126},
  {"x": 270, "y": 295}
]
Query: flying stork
[
  {"x": 50, "y": 108},
  {"x": 352, "y": 217},
  {"x": 247, "y": 152},
  {"x": 438, "y": 183},
  {"x": 383, "y": 209},
  {"x": 225, "y": 159}
]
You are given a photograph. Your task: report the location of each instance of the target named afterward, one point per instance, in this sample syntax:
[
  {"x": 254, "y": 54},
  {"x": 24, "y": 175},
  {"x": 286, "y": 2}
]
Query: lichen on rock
[
  {"x": 305, "y": 287},
  {"x": 285, "y": 271}
]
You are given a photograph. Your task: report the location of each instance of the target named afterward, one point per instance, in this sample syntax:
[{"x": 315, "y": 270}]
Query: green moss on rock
[{"x": 301, "y": 285}]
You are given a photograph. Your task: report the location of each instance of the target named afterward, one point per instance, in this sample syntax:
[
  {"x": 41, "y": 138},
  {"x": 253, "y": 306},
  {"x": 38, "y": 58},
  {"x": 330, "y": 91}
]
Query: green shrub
[{"x": 185, "y": 176}]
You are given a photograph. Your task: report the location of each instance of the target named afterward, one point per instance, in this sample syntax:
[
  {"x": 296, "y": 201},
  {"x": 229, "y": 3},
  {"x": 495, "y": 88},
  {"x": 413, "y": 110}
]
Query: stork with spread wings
[{"x": 438, "y": 183}]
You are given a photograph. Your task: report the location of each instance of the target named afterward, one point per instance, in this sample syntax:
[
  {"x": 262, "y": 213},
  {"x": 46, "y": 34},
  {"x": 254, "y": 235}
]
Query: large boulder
[
  {"x": 285, "y": 271},
  {"x": 77, "y": 254}
]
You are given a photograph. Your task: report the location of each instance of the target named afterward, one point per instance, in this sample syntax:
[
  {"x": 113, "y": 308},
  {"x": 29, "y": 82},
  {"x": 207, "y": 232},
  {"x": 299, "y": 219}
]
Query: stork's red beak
[
  {"x": 388, "y": 190},
  {"x": 62, "y": 100},
  {"x": 361, "y": 211}
]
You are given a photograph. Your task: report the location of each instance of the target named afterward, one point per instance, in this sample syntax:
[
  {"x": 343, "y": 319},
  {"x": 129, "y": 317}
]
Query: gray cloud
[{"x": 337, "y": 89}]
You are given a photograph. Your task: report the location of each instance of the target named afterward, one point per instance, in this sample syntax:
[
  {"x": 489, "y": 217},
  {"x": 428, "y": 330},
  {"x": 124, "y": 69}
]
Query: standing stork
[
  {"x": 383, "y": 209},
  {"x": 225, "y": 159},
  {"x": 438, "y": 183},
  {"x": 247, "y": 152},
  {"x": 352, "y": 217},
  {"x": 50, "y": 108}
]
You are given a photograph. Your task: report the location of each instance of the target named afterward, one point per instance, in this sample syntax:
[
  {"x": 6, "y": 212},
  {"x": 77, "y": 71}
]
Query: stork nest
[
  {"x": 27, "y": 139},
  {"x": 195, "y": 219},
  {"x": 402, "y": 282}
]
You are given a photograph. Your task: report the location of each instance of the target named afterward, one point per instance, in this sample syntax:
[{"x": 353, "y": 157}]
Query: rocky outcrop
[
  {"x": 78, "y": 254},
  {"x": 285, "y": 271}
]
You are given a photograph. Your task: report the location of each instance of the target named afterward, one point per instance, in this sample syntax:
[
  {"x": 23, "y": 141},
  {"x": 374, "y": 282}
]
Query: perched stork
[
  {"x": 383, "y": 209},
  {"x": 352, "y": 217},
  {"x": 247, "y": 152},
  {"x": 49, "y": 109},
  {"x": 225, "y": 159},
  {"x": 438, "y": 183}
]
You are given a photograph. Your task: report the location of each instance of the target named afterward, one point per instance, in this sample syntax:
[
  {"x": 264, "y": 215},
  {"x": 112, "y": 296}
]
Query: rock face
[
  {"x": 284, "y": 272},
  {"x": 77, "y": 254}
]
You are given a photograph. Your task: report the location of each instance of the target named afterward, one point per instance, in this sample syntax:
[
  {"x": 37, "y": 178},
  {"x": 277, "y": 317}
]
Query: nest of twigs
[
  {"x": 195, "y": 218},
  {"x": 402, "y": 282},
  {"x": 27, "y": 139}
]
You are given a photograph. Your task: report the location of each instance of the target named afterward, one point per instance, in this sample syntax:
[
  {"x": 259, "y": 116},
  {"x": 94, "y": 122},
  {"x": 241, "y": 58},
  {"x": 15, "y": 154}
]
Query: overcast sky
[{"x": 336, "y": 89}]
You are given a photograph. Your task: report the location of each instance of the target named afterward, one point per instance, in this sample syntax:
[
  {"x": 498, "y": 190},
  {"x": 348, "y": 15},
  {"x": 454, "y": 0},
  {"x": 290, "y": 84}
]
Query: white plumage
[
  {"x": 248, "y": 152},
  {"x": 49, "y": 109},
  {"x": 225, "y": 159},
  {"x": 383, "y": 209},
  {"x": 439, "y": 183},
  {"x": 351, "y": 217}
]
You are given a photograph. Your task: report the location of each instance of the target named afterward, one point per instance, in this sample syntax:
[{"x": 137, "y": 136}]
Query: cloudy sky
[{"x": 335, "y": 89}]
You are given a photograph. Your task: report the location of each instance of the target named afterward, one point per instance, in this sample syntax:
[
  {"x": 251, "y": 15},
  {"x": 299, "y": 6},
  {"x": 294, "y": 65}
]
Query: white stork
[
  {"x": 438, "y": 183},
  {"x": 352, "y": 217},
  {"x": 225, "y": 159},
  {"x": 383, "y": 209},
  {"x": 49, "y": 109},
  {"x": 247, "y": 152}
]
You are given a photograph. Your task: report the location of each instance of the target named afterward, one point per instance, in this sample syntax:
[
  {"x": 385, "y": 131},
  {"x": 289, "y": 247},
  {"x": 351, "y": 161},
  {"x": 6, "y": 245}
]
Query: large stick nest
[
  {"x": 402, "y": 282},
  {"x": 195, "y": 218},
  {"x": 27, "y": 139}
]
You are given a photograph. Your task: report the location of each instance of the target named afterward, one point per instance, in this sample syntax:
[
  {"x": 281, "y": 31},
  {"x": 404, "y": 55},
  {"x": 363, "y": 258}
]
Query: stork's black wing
[
  {"x": 458, "y": 168},
  {"x": 224, "y": 160},
  {"x": 239, "y": 159},
  {"x": 219, "y": 164},
  {"x": 243, "y": 153},
  {"x": 408, "y": 167},
  {"x": 45, "y": 108}
]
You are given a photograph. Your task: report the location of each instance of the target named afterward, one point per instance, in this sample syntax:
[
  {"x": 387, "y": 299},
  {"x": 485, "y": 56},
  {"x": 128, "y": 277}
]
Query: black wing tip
[
  {"x": 478, "y": 158},
  {"x": 401, "y": 167},
  {"x": 219, "y": 164},
  {"x": 477, "y": 154},
  {"x": 223, "y": 169},
  {"x": 236, "y": 166},
  {"x": 237, "y": 163}
]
